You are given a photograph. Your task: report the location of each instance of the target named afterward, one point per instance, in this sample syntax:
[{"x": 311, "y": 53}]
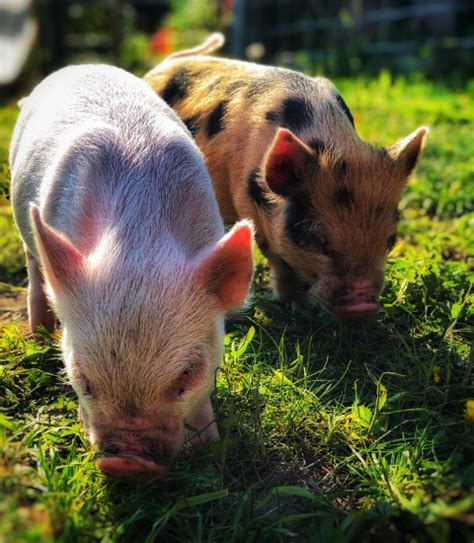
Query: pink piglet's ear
[
  {"x": 226, "y": 272},
  {"x": 286, "y": 154},
  {"x": 61, "y": 261}
]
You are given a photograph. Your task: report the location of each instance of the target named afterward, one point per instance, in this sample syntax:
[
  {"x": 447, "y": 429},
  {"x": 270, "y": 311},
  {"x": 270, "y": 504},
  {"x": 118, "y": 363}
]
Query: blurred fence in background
[
  {"x": 72, "y": 28},
  {"x": 353, "y": 36},
  {"x": 335, "y": 37}
]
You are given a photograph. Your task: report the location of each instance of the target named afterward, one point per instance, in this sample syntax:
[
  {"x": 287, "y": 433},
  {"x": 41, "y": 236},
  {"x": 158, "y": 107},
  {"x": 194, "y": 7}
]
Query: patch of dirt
[{"x": 13, "y": 308}]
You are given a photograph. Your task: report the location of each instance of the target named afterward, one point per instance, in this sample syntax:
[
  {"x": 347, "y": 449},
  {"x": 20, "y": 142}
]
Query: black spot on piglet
[
  {"x": 177, "y": 87},
  {"x": 297, "y": 114},
  {"x": 215, "y": 122},
  {"x": 192, "y": 124},
  {"x": 317, "y": 145},
  {"x": 344, "y": 197},
  {"x": 272, "y": 116},
  {"x": 257, "y": 192},
  {"x": 299, "y": 226}
]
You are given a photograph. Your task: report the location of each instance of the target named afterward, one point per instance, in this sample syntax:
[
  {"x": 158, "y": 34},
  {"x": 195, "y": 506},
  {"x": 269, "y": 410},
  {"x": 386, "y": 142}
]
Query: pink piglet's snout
[
  {"x": 137, "y": 451},
  {"x": 132, "y": 466}
]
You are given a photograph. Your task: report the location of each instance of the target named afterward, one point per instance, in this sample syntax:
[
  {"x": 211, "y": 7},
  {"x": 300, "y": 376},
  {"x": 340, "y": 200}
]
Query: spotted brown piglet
[{"x": 282, "y": 150}]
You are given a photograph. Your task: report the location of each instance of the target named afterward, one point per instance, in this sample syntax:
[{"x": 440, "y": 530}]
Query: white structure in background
[{"x": 18, "y": 30}]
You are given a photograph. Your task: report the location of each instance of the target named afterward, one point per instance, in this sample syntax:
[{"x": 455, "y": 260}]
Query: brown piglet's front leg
[{"x": 285, "y": 284}]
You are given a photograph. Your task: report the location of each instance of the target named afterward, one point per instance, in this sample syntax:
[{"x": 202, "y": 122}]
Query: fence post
[
  {"x": 116, "y": 11},
  {"x": 238, "y": 29}
]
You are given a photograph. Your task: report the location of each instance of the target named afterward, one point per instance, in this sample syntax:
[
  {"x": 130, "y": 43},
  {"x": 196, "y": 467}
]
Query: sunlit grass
[{"x": 329, "y": 431}]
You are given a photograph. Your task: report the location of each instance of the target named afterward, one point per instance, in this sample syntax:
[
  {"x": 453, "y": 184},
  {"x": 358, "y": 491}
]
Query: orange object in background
[{"x": 161, "y": 42}]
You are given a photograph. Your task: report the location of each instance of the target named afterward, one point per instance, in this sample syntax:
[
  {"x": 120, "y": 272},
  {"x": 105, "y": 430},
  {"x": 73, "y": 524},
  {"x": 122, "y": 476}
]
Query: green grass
[{"x": 330, "y": 431}]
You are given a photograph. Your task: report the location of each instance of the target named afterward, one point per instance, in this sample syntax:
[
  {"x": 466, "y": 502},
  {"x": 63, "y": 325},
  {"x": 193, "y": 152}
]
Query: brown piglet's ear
[
  {"x": 406, "y": 152},
  {"x": 226, "y": 272},
  {"x": 61, "y": 261},
  {"x": 287, "y": 152}
]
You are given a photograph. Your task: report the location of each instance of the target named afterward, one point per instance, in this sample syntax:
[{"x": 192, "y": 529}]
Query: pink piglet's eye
[{"x": 189, "y": 379}]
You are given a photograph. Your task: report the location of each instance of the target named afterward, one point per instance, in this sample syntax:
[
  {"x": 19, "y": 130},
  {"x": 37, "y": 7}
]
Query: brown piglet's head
[{"x": 334, "y": 215}]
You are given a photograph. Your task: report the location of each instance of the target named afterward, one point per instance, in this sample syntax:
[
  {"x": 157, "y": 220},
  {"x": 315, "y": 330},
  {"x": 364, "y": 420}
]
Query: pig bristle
[
  {"x": 328, "y": 223},
  {"x": 124, "y": 219},
  {"x": 215, "y": 121}
]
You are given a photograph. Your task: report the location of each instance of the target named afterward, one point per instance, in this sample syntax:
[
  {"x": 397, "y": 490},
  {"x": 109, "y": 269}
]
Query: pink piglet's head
[{"x": 142, "y": 340}]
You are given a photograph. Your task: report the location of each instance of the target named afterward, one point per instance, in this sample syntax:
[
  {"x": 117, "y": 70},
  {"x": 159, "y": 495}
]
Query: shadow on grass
[{"x": 329, "y": 431}]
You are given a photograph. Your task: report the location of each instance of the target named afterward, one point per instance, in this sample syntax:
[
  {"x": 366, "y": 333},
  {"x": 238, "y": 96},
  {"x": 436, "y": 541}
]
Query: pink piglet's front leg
[{"x": 204, "y": 424}]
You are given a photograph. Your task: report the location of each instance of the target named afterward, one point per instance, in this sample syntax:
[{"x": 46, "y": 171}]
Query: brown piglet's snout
[{"x": 357, "y": 299}]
